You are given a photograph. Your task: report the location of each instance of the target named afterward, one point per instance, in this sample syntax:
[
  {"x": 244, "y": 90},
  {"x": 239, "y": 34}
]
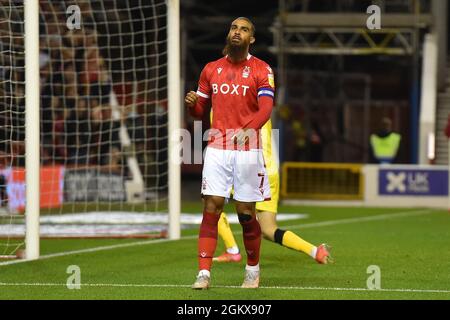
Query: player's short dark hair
[{"x": 253, "y": 29}]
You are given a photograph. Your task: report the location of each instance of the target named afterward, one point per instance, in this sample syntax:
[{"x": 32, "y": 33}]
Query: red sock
[
  {"x": 252, "y": 240},
  {"x": 207, "y": 240}
]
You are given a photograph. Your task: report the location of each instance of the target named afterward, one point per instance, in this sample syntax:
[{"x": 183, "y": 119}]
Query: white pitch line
[
  {"x": 128, "y": 285},
  {"x": 299, "y": 226},
  {"x": 361, "y": 219},
  {"x": 95, "y": 249}
]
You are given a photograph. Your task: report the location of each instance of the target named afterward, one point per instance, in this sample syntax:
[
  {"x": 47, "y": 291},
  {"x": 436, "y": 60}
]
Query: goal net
[
  {"x": 12, "y": 120},
  {"x": 103, "y": 120}
]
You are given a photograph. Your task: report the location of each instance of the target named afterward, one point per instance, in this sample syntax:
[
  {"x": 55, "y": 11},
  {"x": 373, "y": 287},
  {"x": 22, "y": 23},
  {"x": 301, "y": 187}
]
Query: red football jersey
[{"x": 234, "y": 89}]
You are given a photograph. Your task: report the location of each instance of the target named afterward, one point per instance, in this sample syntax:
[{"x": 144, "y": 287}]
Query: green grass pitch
[{"x": 410, "y": 246}]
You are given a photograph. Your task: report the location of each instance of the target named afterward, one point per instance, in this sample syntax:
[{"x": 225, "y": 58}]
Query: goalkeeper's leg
[
  {"x": 267, "y": 211},
  {"x": 288, "y": 239},
  {"x": 232, "y": 253}
]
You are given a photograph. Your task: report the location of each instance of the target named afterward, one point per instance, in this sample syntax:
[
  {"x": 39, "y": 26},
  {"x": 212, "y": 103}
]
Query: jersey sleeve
[
  {"x": 204, "y": 87},
  {"x": 203, "y": 92},
  {"x": 266, "y": 94},
  {"x": 266, "y": 82}
]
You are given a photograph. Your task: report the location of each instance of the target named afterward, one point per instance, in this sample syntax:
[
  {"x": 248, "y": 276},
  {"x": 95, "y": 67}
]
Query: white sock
[
  {"x": 204, "y": 272},
  {"x": 252, "y": 268},
  {"x": 233, "y": 250},
  {"x": 314, "y": 252}
]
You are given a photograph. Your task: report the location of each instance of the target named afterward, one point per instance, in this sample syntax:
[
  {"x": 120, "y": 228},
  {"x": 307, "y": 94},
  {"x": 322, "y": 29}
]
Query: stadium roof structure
[{"x": 347, "y": 34}]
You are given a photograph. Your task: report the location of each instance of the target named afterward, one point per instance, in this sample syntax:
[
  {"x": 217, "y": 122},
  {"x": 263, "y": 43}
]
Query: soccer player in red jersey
[{"x": 240, "y": 89}]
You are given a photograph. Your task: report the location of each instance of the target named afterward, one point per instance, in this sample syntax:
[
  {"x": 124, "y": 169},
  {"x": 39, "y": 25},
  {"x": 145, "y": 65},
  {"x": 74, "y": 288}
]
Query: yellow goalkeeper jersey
[{"x": 271, "y": 159}]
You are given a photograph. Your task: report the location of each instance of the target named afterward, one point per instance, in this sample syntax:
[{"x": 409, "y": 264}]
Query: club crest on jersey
[
  {"x": 271, "y": 80},
  {"x": 246, "y": 72},
  {"x": 219, "y": 70}
]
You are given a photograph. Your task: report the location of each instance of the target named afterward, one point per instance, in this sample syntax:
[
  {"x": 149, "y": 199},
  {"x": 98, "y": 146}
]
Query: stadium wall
[
  {"x": 406, "y": 186},
  {"x": 380, "y": 186},
  {"x": 424, "y": 186},
  {"x": 61, "y": 185}
]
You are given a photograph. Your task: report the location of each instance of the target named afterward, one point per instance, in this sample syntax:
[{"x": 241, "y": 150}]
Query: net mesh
[
  {"x": 103, "y": 113},
  {"x": 12, "y": 107}
]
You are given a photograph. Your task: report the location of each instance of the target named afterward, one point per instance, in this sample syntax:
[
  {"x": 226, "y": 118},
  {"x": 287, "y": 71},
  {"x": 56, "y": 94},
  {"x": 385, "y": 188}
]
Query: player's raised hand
[{"x": 191, "y": 99}]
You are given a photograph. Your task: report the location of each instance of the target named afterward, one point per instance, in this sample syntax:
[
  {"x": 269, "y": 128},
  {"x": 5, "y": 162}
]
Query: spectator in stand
[
  {"x": 87, "y": 14},
  {"x": 53, "y": 145},
  {"x": 78, "y": 134},
  {"x": 70, "y": 86},
  {"x": 17, "y": 123},
  {"x": 59, "y": 118},
  {"x": 384, "y": 144},
  {"x": 75, "y": 39},
  {"x": 4, "y": 162},
  {"x": 316, "y": 142},
  {"x": 106, "y": 130},
  {"x": 46, "y": 93},
  {"x": 95, "y": 76}
]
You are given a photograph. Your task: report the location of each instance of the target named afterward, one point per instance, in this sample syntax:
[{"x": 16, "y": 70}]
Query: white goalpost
[
  {"x": 32, "y": 131},
  {"x": 173, "y": 31},
  {"x": 95, "y": 88}
]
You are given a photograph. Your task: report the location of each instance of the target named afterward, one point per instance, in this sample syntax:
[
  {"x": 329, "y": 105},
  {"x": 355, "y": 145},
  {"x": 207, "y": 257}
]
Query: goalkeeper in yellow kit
[{"x": 266, "y": 212}]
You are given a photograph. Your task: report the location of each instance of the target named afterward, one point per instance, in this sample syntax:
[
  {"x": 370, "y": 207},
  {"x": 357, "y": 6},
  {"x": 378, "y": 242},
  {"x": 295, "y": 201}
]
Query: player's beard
[{"x": 235, "y": 50}]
